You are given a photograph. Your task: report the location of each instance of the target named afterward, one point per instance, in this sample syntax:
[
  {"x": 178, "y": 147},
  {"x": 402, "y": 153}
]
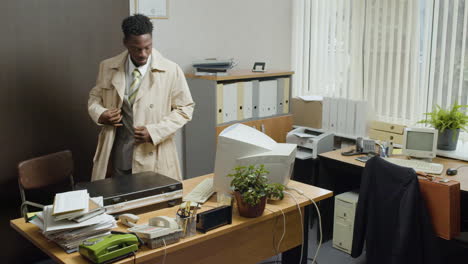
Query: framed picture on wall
[{"x": 154, "y": 9}]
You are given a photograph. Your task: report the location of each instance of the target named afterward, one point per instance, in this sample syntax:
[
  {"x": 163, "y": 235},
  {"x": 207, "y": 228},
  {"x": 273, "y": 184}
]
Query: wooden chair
[{"x": 41, "y": 172}]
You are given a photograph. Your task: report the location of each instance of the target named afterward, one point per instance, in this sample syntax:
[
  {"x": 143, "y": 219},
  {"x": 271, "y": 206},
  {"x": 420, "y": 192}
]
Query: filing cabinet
[
  {"x": 256, "y": 99},
  {"x": 345, "y": 210}
]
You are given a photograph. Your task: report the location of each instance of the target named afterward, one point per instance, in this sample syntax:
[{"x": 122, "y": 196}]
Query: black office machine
[
  {"x": 135, "y": 191},
  {"x": 214, "y": 218}
]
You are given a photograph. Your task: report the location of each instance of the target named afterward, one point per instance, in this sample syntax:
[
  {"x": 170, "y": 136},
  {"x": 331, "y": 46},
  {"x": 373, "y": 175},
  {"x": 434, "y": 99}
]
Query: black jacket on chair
[{"x": 392, "y": 217}]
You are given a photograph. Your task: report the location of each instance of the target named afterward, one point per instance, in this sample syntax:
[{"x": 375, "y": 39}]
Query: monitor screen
[{"x": 419, "y": 140}]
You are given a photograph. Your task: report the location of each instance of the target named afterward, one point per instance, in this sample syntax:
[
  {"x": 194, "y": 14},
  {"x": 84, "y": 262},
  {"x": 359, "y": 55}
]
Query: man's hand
[
  {"x": 142, "y": 135},
  {"x": 111, "y": 117}
]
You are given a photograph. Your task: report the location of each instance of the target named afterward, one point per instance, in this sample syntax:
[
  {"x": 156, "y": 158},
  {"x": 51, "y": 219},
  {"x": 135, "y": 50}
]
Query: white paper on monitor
[{"x": 310, "y": 98}]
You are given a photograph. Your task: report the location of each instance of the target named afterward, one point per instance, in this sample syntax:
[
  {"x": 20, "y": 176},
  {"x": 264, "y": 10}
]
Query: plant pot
[
  {"x": 246, "y": 210},
  {"x": 448, "y": 139}
]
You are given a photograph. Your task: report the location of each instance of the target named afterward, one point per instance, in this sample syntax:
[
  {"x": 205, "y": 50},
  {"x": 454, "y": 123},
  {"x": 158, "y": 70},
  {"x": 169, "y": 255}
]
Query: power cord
[
  {"x": 277, "y": 248},
  {"x": 302, "y": 225},
  {"x": 314, "y": 260},
  {"x": 165, "y": 252}
]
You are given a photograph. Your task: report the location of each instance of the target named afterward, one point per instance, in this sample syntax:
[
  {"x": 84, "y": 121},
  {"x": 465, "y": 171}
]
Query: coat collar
[{"x": 158, "y": 62}]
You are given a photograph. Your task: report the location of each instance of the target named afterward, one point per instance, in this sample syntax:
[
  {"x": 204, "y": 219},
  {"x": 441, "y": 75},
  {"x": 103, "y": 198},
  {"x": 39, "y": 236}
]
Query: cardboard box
[{"x": 306, "y": 113}]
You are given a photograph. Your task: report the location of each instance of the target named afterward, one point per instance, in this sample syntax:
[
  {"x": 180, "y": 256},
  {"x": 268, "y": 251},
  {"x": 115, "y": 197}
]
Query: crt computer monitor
[
  {"x": 420, "y": 142},
  {"x": 241, "y": 145}
]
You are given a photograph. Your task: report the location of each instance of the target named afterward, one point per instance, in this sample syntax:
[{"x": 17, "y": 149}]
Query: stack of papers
[
  {"x": 84, "y": 222},
  {"x": 76, "y": 206}
]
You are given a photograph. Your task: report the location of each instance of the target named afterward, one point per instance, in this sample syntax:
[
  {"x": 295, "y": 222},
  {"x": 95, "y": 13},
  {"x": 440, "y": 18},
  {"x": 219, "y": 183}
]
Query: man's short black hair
[{"x": 137, "y": 25}]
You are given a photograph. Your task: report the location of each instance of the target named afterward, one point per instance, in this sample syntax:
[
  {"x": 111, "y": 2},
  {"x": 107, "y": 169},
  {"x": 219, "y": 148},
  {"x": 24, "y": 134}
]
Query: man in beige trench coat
[{"x": 140, "y": 100}]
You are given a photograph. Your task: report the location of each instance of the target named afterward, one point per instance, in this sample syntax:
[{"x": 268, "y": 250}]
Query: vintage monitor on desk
[
  {"x": 241, "y": 145},
  {"x": 420, "y": 143}
]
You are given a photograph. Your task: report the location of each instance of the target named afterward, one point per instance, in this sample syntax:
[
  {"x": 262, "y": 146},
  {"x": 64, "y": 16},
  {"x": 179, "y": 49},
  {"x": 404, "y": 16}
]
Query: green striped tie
[{"x": 134, "y": 86}]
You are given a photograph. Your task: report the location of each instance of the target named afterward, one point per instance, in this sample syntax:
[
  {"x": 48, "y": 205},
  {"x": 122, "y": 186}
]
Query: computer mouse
[{"x": 452, "y": 171}]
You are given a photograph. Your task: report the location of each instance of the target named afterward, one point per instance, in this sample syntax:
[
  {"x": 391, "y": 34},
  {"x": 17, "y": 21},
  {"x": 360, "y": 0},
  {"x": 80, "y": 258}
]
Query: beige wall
[{"x": 246, "y": 30}]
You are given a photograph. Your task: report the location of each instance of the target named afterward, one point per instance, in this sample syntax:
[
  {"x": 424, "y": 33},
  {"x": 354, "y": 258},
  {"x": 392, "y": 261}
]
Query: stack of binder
[
  {"x": 73, "y": 218},
  {"x": 213, "y": 67}
]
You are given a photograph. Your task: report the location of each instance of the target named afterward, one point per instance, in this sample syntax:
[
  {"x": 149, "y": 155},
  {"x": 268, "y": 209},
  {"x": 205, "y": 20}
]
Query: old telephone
[
  {"x": 363, "y": 146},
  {"x": 109, "y": 248},
  {"x": 158, "y": 226}
]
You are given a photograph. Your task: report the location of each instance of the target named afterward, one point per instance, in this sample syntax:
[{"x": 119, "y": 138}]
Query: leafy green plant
[
  {"x": 251, "y": 182},
  {"x": 442, "y": 119}
]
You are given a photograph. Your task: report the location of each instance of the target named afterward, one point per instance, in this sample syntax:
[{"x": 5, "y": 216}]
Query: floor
[
  {"x": 327, "y": 253},
  {"x": 453, "y": 252}
]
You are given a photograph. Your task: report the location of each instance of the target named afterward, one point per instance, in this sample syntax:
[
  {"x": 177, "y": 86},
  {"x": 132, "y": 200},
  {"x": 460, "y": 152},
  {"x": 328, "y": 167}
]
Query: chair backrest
[{"x": 45, "y": 170}]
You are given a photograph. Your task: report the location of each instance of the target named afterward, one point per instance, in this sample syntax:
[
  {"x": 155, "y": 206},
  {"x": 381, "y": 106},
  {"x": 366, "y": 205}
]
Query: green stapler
[{"x": 109, "y": 248}]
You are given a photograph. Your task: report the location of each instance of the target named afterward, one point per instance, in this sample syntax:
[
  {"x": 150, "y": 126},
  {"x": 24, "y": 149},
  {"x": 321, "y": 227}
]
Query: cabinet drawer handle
[{"x": 263, "y": 128}]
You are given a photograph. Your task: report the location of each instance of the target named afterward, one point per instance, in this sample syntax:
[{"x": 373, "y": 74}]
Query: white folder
[
  {"x": 341, "y": 126},
  {"x": 350, "y": 117},
  {"x": 333, "y": 123},
  {"x": 247, "y": 107},
  {"x": 267, "y": 98},
  {"x": 361, "y": 119},
  {"x": 230, "y": 102},
  {"x": 326, "y": 113}
]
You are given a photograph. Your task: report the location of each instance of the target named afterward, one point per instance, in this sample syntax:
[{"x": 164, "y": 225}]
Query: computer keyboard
[
  {"x": 202, "y": 192},
  {"x": 417, "y": 165}
]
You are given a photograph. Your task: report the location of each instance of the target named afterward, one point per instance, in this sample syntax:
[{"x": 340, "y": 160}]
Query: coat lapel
[
  {"x": 158, "y": 65},
  {"x": 145, "y": 86},
  {"x": 118, "y": 78}
]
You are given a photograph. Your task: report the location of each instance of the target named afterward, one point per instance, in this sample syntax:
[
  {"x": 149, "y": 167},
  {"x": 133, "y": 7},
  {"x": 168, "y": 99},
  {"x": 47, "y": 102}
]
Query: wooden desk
[
  {"x": 244, "y": 241},
  {"x": 462, "y": 175},
  {"x": 343, "y": 173}
]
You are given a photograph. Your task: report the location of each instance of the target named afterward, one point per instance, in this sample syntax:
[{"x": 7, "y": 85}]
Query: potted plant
[
  {"x": 251, "y": 189},
  {"x": 448, "y": 122}
]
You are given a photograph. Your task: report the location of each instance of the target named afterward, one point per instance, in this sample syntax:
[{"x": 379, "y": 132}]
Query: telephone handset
[{"x": 363, "y": 146}]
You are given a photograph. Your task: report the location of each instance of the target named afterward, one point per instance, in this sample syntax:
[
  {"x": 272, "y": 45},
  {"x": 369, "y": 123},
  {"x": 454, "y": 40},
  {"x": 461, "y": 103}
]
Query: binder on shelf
[
  {"x": 326, "y": 113},
  {"x": 219, "y": 103},
  {"x": 350, "y": 117},
  {"x": 229, "y": 102},
  {"x": 333, "y": 120},
  {"x": 255, "y": 98},
  {"x": 240, "y": 101},
  {"x": 280, "y": 96},
  {"x": 283, "y": 96},
  {"x": 247, "y": 99},
  {"x": 286, "y": 90},
  {"x": 342, "y": 107},
  {"x": 267, "y": 98}
]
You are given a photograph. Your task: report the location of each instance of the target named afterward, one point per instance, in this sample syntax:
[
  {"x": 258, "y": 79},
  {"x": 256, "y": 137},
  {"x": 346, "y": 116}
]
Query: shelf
[{"x": 241, "y": 74}]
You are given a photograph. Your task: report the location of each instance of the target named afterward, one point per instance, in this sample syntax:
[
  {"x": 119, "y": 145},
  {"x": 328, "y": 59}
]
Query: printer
[{"x": 310, "y": 142}]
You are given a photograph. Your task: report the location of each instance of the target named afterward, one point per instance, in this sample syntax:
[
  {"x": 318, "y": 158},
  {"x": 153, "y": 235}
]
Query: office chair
[
  {"x": 392, "y": 218},
  {"x": 38, "y": 173}
]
